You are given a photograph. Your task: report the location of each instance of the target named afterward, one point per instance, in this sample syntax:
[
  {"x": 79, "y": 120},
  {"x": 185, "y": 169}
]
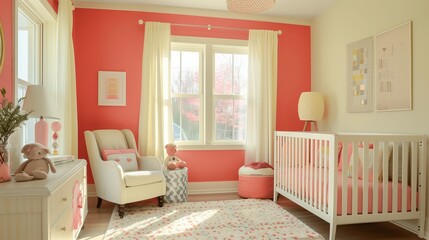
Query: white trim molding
[{"x": 212, "y": 187}]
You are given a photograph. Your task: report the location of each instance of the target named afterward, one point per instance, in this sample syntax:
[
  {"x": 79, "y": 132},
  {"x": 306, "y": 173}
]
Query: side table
[{"x": 177, "y": 185}]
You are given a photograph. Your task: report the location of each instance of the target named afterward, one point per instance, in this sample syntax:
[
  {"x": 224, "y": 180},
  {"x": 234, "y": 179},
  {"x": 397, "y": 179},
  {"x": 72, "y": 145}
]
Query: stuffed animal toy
[
  {"x": 37, "y": 166},
  {"x": 172, "y": 162}
]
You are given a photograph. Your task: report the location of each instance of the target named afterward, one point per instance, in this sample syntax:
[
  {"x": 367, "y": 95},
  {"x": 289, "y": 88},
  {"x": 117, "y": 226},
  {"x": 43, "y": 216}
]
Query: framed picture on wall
[
  {"x": 393, "y": 55},
  {"x": 111, "y": 88},
  {"x": 359, "y": 76}
]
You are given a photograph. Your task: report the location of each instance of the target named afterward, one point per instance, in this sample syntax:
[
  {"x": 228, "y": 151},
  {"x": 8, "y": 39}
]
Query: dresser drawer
[
  {"x": 61, "y": 200},
  {"x": 63, "y": 227},
  {"x": 63, "y": 197}
]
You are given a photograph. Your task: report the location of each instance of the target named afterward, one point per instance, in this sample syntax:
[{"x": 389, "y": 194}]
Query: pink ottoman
[{"x": 255, "y": 183}]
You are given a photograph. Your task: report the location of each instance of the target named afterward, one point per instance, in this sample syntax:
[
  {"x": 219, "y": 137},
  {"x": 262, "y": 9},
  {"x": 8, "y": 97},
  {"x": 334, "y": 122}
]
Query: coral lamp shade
[{"x": 311, "y": 106}]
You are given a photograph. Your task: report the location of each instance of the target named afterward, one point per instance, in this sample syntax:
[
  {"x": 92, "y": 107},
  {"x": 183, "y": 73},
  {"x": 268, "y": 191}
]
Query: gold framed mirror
[{"x": 2, "y": 47}]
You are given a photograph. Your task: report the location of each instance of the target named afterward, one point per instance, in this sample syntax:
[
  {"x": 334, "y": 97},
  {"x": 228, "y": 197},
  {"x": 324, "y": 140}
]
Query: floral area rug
[{"x": 230, "y": 219}]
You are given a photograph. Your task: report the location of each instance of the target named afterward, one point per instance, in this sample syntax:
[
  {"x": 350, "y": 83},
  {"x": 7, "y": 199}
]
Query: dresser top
[{"x": 42, "y": 187}]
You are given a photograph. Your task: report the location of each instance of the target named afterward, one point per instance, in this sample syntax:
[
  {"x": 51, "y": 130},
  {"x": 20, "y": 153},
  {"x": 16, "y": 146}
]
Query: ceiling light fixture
[{"x": 249, "y": 6}]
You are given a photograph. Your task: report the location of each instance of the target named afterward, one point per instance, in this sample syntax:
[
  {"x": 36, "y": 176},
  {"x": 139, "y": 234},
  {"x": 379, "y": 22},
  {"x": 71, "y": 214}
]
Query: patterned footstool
[{"x": 177, "y": 185}]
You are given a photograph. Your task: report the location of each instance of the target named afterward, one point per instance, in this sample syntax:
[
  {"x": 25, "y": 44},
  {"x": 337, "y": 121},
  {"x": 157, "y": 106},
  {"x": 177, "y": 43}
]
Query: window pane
[
  {"x": 223, "y": 73},
  {"x": 185, "y": 72},
  {"x": 28, "y": 128},
  {"x": 240, "y": 74},
  {"x": 230, "y": 118},
  {"x": 231, "y": 74},
  {"x": 28, "y": 65},
  {"x": 186, "y": 118},
  {"x": 175, "y": 71},
  {"x": 28, "y": 51}
]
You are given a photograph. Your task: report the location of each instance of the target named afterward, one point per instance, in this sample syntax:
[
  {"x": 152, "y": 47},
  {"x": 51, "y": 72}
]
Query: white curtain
[
  {"x": 262, "y": 96},
  {"x": 153, "y": 132},
  {"x": 66, "y": 80}
]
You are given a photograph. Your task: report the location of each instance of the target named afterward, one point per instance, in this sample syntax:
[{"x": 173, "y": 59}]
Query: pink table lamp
[{"x": 41, "y": 104}]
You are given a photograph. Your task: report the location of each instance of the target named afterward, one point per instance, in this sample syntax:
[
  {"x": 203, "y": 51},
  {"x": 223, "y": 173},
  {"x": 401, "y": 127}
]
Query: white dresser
[{"x": 45, "y": 209}]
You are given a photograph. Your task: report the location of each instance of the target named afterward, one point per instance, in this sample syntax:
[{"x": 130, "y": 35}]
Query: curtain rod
[{"x": 209, "y": 27}]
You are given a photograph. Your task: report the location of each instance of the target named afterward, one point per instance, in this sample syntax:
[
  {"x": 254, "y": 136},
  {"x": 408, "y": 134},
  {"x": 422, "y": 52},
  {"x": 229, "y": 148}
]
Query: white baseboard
[
  {"x": 194, "y": 188},
  {"x": 212, "y": 187},
  {"x": 91, "y": 190}
]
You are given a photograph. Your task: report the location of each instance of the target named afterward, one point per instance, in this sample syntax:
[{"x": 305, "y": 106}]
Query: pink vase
[
  {"x": 4, "y": 162},
  {"x": 4, "y": 173}
]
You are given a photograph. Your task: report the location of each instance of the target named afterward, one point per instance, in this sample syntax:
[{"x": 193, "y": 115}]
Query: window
[
  {"x": 229, "y": 94},
  {"x": 208, "y": 93},
  {"x": 29, "y": 55},
  {"x": 35, "y": 53}
]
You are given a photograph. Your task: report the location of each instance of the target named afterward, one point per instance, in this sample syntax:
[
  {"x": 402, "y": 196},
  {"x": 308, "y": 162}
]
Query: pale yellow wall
[{"x": 347, "y": 21}]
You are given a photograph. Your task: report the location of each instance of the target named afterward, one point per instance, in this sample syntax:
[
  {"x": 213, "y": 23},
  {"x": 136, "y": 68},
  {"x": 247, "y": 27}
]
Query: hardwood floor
[{"x": 98, "y": 219}]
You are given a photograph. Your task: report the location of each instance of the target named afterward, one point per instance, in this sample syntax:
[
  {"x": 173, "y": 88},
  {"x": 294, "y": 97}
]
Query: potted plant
[{"x": 11, "y": 118}]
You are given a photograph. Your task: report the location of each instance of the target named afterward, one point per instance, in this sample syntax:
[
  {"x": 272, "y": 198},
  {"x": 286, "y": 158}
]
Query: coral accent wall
[
  {"x": 109, "y": 40},
  {"x": 54, "y": 4},
  {"x": 6, "y": 21}
]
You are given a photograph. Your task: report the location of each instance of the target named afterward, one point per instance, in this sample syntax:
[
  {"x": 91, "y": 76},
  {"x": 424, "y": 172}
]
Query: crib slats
[
  {"x": 414, "y": 162},
  {"x": 355, "y": 180},
  {"x": 344, "y": 178},
  {"x": 365, "y": 169},
  {"x": 404, "y": 180},
  {"x": 307, "y": 170},
  {"x": 375, "y": 179},
  {"x": 385, "y": 177},
  {"x": 395, "y": 178},
  {"x": 325, "y": 175}
]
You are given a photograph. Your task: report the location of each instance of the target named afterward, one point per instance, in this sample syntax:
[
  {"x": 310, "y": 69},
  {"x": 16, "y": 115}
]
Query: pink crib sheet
[
  {"x": 302, "y": 184},
  {"x": 370, "y": 196}
]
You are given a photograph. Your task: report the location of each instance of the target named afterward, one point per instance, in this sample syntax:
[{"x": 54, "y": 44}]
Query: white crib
[{"x": 375, "y": 169}]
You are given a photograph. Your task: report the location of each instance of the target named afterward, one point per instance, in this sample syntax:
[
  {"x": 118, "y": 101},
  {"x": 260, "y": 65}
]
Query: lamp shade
[
  {"x": 39, "y": 102},
  {"x": 249, "y": 6},
  {"x": 311, "y": 106}
]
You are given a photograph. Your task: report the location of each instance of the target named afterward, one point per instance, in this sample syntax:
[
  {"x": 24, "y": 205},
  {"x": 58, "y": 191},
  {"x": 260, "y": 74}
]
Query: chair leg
[
  {"x": 99, "y": 200},
  {"x": 161, "y": 201},
  {"x": 121, "y": 210}
]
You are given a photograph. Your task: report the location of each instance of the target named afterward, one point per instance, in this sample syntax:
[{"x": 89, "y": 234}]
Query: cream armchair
[{"x": 115, "y": 185}]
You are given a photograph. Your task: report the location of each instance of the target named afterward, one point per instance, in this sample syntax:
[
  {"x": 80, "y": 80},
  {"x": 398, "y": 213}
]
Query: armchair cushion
[
  {"x": 125, "y": 157},
  {"x": 137, "y": 178}
]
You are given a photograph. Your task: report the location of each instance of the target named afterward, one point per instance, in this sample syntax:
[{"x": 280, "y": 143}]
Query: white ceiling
[{"x": 303, "y": 9}]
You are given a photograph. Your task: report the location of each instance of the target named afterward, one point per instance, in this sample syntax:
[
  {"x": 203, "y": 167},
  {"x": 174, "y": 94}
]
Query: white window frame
[
  {"x": 200, "y": 48},
  {"x": 211, "y": 97},
  {"x": 41, "y": 13},
  {"x": 36, "y": 52},
  {"x": 207, "y": 127}
]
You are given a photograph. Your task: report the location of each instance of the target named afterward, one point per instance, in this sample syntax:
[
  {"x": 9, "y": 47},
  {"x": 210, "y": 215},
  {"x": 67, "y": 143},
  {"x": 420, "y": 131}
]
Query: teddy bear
[
  {"x": 172, "y": 162},
  {"x": 37, "y": 166}
]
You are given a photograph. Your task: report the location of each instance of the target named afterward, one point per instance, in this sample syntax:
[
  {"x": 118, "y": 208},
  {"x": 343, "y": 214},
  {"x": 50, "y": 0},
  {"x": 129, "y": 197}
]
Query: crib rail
[
  {"x": 353, "y": 178},
  {"x": 295, "y": 172}
]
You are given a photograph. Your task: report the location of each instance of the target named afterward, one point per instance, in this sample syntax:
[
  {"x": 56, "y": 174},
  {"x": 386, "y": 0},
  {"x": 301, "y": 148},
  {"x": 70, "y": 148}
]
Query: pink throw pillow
[{"x": 125, "y": 157}]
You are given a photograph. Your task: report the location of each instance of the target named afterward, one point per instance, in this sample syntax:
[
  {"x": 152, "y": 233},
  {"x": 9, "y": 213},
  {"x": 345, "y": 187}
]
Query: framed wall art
[
  {"x": 111, "y": 88},
  {"x": 360, "y": 76},
  {"x": 393, "y": 56}
]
